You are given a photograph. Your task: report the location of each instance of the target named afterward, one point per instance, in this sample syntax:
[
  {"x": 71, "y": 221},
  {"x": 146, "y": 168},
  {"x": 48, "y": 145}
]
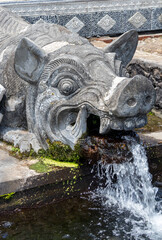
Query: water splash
[{"x": 128, "y": 187}]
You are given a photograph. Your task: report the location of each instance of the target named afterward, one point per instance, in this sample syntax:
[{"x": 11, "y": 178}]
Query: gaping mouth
[{"x": 73, "y": 123}]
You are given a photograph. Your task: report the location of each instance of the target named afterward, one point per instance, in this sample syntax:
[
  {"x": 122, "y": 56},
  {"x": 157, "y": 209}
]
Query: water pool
[{"x": 124, "y": 206}]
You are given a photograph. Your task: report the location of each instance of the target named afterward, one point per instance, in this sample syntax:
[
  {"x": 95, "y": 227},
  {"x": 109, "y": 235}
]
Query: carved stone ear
[
  {"x": 29, "y": 60},
  {"x": 124, "y": 46}
]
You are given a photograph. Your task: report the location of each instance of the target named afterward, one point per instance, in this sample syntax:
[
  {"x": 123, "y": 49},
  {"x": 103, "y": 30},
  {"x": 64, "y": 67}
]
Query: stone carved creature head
[{"x": 68, "y": 84}]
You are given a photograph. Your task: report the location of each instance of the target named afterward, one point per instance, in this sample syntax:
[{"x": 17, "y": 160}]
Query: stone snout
[{"x": 128, "y": 101}]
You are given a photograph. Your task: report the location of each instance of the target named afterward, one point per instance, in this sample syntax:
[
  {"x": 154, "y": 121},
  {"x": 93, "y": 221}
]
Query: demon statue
[{"x": 51, "y": 80}]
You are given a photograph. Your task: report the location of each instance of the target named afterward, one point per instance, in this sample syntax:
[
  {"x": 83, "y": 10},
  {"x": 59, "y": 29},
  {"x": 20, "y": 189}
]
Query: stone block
[
  {"x": 118, "y": 17},
  {"x": 34, "y": 19},
  {"x": 156, "y": 19},
  {"x": 106, "y": 23},
  {"x": 79, "y": 23},
  {"x": 139, "y": 20}
]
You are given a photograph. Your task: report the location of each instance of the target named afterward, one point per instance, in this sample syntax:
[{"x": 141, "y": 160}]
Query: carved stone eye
[{"x": 67, "y": 86}]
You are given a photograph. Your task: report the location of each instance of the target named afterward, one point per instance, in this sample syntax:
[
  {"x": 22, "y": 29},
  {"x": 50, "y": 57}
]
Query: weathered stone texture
[{"x": 96, "y": 18}]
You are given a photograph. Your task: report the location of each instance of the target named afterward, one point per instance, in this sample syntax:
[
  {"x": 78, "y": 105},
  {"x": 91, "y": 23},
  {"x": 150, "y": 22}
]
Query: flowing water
[
  {"x": 123, "y": 207},
  {"x": 128, "y": 186}
]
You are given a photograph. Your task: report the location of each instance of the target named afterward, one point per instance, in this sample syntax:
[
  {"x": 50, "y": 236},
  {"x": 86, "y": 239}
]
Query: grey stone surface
[
  {"x": 160, "y": 18},
  {"x": 156, "y": 22},
  {"x": 151, "y": 70},
  {"x": 123, "y": 13},
  {"x": 22, "y": 139},
  {"x": 131, "y": 19},
  {"x": 137, "y": 20},
  {"x": 13, "y": 173},
  {"x": 76, "y": 7},
  {"x": 84, "y": 29},
  {"x": 97, "y": 30},
  {"x": 106, "y": 22},
  {"x": 155, "y": 135},
  {"x": 46, "y": 18},
  {"x": 75, "y": 25},
  {"x": 17, "y": 177},
  {"x": 55, "y": 79}
]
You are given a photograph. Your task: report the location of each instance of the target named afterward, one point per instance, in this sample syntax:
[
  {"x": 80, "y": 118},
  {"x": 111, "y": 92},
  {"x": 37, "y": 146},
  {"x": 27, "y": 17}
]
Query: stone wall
[
  {"x": 151, "y": 71},
  {"x": 90, "y": 17}
]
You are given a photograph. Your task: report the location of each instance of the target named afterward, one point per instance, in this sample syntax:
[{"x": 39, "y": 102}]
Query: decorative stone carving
[
  {"x": 55, "y": 79},
  {"x": 106, "y": 23},
  {"x": 160, "y": 18},
  {"x": 75, "y": 25},
  {"x": 137, "y": 20}
]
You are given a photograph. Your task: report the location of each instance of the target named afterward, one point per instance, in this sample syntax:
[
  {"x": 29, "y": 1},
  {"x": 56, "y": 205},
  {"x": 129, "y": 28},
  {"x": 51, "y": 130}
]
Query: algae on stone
[
  {"x": 47, "y": 165},
  {"x": 154, "y": 124},
  {"x": 7, "y": 196},
  {"x": 57, "y": 151}
]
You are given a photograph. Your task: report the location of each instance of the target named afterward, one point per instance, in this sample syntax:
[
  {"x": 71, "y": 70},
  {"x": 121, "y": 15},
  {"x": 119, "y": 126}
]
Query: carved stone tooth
[
  {"x": 129, "y": 124},
  {"x": 104, "y": 125},
  {"x": 141, "y": 121},
  {"x": 116, "y": 124},
  {"x": 80, "y": 126},
  {"x": 2, "y": 91}
]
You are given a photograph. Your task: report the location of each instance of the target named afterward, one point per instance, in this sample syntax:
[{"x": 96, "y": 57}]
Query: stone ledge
[
  {"x": 46, "y": 193},
  {"x": 96, "y": 18},
  {"x": 148, "y": 59},
  {"x": 15, "y": 174},
  {"x": 39, "y": 189},
  {"x": 33, "y": 189}
]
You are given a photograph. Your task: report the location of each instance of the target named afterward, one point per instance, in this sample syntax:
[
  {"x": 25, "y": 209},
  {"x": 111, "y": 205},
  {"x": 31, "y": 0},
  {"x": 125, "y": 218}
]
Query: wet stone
[{"x": 109, "y": 149}]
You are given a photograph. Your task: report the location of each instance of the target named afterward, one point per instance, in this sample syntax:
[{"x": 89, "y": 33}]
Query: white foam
[{"x": 132, "y": 191}]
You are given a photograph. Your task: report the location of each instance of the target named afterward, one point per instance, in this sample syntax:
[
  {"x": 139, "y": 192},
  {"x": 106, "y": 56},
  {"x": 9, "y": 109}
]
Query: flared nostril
[
  {"x": 131, "y": 102},
  {"x": 148, "y": 99}
]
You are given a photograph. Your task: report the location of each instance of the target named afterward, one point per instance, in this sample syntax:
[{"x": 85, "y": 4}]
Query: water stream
[{"x": 128, "y": 187}]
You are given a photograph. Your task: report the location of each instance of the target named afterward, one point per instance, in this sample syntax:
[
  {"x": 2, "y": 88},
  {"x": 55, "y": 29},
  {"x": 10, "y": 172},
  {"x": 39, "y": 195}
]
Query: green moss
[
  {"x": 60, "y": 152},
  {"x": 154, "y": 124},
  {"x": 57, "y": 151},
  {"x": 57, "y": 155},
  {"x": 40, "y": 167},
  {"x": 15, "y": 149},
  {"x": 60, "y": 164},
  {"x": 7, "y": 196},
  {"x": 47, "y": 165}
]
